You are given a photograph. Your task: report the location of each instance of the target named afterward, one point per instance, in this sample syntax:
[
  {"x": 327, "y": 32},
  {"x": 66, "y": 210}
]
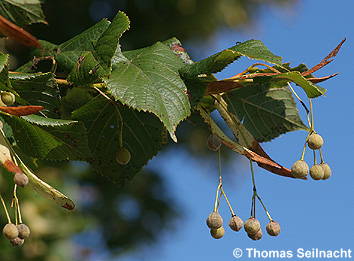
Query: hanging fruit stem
[
  {"x": 255, "y": 195},
  {"x": 5, "y": 209}
]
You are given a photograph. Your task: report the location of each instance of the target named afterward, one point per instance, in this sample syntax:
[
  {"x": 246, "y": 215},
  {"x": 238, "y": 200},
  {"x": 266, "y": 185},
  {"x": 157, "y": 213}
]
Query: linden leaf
[
  {"x": 265, "y": 112},
  {"x": 147, "y": 80}
]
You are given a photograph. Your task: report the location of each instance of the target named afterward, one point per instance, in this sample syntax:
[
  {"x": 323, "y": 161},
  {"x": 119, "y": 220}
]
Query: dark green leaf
[
  {"x": 37, "y": 89},
  {"x": 265, "y": 112}
]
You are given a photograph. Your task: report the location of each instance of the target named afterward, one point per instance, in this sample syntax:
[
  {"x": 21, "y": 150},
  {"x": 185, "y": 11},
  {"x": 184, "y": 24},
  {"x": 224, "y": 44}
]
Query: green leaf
[
  {"x": 147, "y": 80},
  {"x": 253, "y": 49},
  {"x": 22, "y": 12},
  {"x": 68, "y": 53},
  {"x": 311, "y": 89},
  {"x": 108, "y": 44},
  {"x": 42, "y": 138},
  {"x": 38, "y": 89},
  {"x": 87, "y": 71},
  {"x": 266, "y": 112},
  {"x": 142, "y": 136},
  {"x": 42, "y": 121},
  {"x": 96, "y": 64}
]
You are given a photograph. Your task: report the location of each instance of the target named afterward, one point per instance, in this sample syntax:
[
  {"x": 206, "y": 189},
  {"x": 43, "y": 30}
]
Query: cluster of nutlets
[
  {"x": 251, "y": 226},
  {"x": 16, "y": 234},
  {"x": 321, "y": 171}
]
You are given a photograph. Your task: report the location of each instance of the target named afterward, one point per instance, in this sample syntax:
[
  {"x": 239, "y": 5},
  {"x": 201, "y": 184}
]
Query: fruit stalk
[{"x": 5, "y": 209}]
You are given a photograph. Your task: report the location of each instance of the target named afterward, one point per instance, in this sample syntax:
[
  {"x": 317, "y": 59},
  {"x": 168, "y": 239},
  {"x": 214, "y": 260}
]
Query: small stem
[
  {"x": 314, "y": 157},
  {"x": 321, "y": 156},
  {"x": 255, "y": 195},
  {"x": 253, "y": 207},
  {"x": 250, "y": 68},
  {"x": 5, "y": 209},
  {"x": 303, "y": 152},
  {"x": 304, "y": 149},
  {"x": 312, "y": 117},
  {"x": 253, "y": 179},
  {"x": 264, "y": 207},
  {"x": 217, "y": 198},
  {"x": 62, "y": 82},
  {"x": 120, "y": 118},
  {"x": 219, "y": 165},
  {"x": 98, "y": 85},
  {"x": 67, "y": 83},
  {"x": 302, "y": 103},
  {"x": 228, "y": 202},
  {"x": 17, "y": 205},
  {"x": 220, "y": 195},
  {"x": 219, "y": 189},
  {"x": 121, "y": 122}
]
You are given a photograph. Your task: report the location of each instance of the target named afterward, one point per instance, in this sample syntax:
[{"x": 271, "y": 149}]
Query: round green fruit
[
  {"x": 8, "y": 98},
  {"x": 123, "y": 156}
]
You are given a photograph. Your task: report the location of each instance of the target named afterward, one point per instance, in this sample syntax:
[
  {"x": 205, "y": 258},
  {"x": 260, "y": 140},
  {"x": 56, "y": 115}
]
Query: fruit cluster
[
  {"x": 15, "y": 232},
  {"x": 320, "y": 171},
  {"x": 252, "y": 226},
  {"x": 314, "y": 141},
  {"x": 18, "y": 232}
]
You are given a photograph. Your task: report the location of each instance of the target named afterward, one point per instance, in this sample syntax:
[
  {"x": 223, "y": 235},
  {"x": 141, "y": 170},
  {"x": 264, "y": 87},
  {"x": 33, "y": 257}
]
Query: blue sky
[{"x": 312, "y": 214}]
